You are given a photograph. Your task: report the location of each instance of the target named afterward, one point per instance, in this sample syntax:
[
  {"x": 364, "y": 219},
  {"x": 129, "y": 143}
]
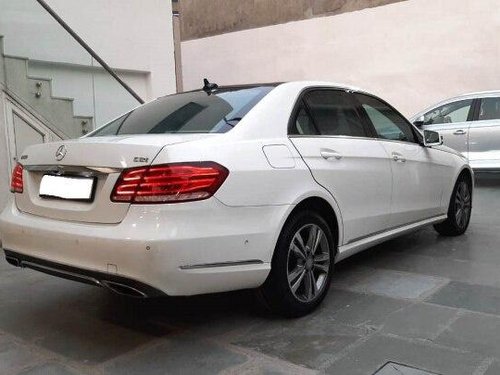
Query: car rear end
[{"x": 100, "y": 209}]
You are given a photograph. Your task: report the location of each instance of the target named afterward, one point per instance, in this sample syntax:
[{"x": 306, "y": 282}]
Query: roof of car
[
  {"x": 480, "y": 93},
  {"x": 472, "y": 95},
  {"x": 302, "y": 84}
]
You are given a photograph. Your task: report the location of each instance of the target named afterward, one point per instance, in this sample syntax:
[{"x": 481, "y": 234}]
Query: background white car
[
  {"x": 470, "y": 124},
  {"x": 263, "y": 186}
]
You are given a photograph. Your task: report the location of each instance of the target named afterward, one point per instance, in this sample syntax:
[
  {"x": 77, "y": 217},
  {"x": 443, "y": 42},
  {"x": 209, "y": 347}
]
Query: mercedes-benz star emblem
[{"x": 61, "y": 153}]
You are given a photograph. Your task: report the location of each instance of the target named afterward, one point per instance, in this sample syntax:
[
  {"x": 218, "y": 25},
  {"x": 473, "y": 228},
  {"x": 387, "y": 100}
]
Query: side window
[
  {"x": 449, "y": 113},
  {"x": 490, "y": 109},
  {"x": 303, "y": 124},
  {"x": 387, "y": 123},
  {"x": 334, "y": 113}
]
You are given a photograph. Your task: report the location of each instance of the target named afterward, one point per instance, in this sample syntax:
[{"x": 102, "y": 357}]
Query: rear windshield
[{"x": 190, "y": 112}]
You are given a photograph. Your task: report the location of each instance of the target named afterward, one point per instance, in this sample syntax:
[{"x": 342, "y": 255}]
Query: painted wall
[
  {"x": 134, "y": 37},
  {"x": 206, "y": 18},
  {"x": 4, "y": 155},
  {"x": 412, "y": 53}
]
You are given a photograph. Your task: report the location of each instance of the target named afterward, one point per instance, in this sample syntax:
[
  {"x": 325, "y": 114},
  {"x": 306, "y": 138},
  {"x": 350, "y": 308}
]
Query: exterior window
[
  {"x": 333, "y": 113},
  {"x": 303, "y": 123},
  {"x": 449, "y": 113},
  {"x": 490, "y": 109},
  {"x": 189, "y": 112},
  {"x": 387, "y": 122}
]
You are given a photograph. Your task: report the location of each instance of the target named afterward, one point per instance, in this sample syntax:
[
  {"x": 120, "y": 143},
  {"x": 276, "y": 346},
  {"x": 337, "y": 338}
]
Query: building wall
[
  {"x": 412, "y": 53},
  {"x": 201, "y": 18},
  {"x": 134, "y": 37},
  {"x": 4, "y": 156}
]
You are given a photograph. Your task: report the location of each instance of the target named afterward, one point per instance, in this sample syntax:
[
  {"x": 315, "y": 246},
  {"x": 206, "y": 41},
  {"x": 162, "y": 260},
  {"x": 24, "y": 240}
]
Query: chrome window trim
[{"x": 354, "y": 138}]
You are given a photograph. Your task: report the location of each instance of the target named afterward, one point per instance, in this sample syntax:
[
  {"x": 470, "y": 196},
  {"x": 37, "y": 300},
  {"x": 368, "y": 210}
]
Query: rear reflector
[
  {"x": 16, "y": 183},
  {"x": 169, "y": 183}
]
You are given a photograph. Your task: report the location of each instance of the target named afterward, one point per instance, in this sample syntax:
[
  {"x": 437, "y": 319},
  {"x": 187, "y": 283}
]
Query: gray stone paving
[{"x": 417, "y": 305}]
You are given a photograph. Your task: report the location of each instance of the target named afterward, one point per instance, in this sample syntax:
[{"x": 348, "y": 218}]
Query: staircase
[{"x": 36, "y": 94}]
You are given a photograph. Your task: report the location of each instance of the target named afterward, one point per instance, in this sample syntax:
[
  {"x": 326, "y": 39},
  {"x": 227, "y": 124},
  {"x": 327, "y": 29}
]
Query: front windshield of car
[{"x": 191, "y": 112}]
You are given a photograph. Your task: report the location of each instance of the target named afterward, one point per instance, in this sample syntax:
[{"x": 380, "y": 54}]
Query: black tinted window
[
  {"x": 333, "y": 113},
  {"x": 303, "y": 123},
  {"x": 191, "y": 112},
  {"x": 387, "y": 123},
  {"x": 490, "y": 109}
]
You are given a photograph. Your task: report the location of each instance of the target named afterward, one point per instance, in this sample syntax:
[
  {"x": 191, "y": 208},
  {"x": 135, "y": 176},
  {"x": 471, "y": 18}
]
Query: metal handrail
[{"x": 89, "y": 50}]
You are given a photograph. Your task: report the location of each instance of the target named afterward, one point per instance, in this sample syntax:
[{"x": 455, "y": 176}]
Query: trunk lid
[{"x": 99, "y": 158}]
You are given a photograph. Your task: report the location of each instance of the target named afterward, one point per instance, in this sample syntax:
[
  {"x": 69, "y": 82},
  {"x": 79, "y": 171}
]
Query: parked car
[
  {"x": 469, "y": 124},
  {"x": 225, "y": 188}
]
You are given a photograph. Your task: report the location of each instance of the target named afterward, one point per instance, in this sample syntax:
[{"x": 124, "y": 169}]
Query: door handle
[
  {"x": 330, "y": 154},
  {"x": 460, "y": 132},
  {"x": 398, "y": 157}
]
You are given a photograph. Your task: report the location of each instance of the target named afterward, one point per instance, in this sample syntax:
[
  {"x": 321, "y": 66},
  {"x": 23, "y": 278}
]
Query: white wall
[
  {"x": 4, "y": 156},
  {"x": 412, "y": 53},
  {"x": 135, "y": 37},
  {"x": 127, "y": 34}
]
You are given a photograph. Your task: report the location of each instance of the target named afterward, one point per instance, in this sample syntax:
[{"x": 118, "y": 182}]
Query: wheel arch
[
  {"x": 465, "y": 170},
  {"x": 327, "y": 210}
]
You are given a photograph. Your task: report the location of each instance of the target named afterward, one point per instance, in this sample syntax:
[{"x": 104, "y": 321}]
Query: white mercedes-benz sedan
[{"x": 260, "y": 186}]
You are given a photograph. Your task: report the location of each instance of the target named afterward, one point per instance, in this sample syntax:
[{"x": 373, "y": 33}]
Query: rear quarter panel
[{"x": 252, "y": 180}]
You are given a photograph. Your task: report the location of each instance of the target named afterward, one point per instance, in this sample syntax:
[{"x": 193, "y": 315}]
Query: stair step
[{"x": 37, "y": 93}]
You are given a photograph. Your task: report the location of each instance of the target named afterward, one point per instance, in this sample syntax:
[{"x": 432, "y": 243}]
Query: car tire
[
  {"x": 302, "y": 266},
  {"x": 459, "y": 210}
]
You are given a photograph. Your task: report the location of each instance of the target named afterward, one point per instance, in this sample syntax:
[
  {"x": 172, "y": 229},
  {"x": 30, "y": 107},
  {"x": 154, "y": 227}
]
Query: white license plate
[{"x": 65, "y": 187}]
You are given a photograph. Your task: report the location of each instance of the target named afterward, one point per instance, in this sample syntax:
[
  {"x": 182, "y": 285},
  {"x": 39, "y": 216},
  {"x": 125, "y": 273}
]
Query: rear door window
[{"x": 332, "y": 112}]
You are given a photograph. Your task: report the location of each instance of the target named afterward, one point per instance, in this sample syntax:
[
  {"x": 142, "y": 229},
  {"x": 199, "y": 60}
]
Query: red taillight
[
  {"x": 16, "y": 183},
  {"x": 169, "y": 183}
]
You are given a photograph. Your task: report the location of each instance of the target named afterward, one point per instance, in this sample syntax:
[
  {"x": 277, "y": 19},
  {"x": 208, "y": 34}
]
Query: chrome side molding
[{"x": 222, "y": 264}]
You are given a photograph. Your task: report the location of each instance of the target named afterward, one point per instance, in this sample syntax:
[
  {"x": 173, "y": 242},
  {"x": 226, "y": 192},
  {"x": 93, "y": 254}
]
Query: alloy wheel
[
  {"x": 308, "y": 263},
  {"x": 462, "y": 204}
]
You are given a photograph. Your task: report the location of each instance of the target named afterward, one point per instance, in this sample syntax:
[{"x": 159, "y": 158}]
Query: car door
[
  {"x": 419, "y": 172},
  {"x": 452, "y": 121},
  {"x": 484, "y": 135},
  {"x": 343, "y": 157}
]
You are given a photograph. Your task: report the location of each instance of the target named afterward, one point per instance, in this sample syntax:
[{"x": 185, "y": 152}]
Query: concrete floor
[{"x": 426, "y": 304}]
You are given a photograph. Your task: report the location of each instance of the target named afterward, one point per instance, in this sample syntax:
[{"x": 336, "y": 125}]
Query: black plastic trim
[{"x": 96, "y": 278}]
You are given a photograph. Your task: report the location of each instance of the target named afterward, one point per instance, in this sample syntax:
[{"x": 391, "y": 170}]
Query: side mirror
[
  {"x": 432, "y": 138},
  {"x": 419, "y": 121}
]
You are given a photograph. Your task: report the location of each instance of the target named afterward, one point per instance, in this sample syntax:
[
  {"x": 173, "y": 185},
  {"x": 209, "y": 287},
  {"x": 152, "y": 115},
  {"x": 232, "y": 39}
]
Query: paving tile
[
  {"x": 379, "y": 349},
  {"x": 479, "y": 244},
  {"x": 421, "y": 320},
  {"x": 392, "y": 368},
  {"x": 474, "y": 332},
  {"x": 76, "y": 335},
  {"x": 266, "y": 366},
  {"x": 49, "y": 369},
  {"x": 368, "y": 309},
  {"x": 471, "y": 297},
  {"x": 494, "y": 368},
  {"x": 180, "y": 355},
  {"x": 14, "y": 356},
  {"x": 453, "y": 269},
  {"x": 309, "y": 341},
  {"x": 388, "y": 283}
]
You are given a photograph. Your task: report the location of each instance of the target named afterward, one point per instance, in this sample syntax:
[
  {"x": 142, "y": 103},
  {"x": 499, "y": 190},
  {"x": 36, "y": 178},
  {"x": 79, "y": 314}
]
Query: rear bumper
[
  {"x": 184, "y": 249},
  {"x": 118, "y": 284}
]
